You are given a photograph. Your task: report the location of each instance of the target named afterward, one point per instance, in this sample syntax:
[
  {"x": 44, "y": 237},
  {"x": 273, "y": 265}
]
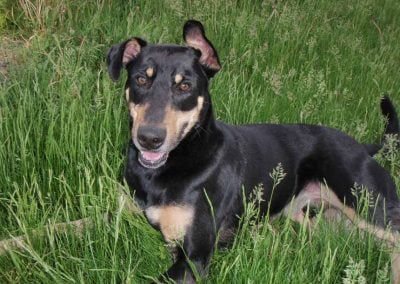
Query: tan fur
[
  {"x": 127, "y": 91},
  {"x": 137, "y": 112},
  {"x": 395, "y": 258},
  {"x": 150, "y": 72},
  {"x": 173, "y": 220},
  {"x": 178, "y": 78},
  {"x": 175, "y": 120},
  {"x": 315, "y": 194}
]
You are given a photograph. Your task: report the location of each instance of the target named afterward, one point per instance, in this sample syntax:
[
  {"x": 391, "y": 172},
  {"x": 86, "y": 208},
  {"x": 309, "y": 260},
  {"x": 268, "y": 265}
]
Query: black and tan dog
[{"x": 187, "y": 170}]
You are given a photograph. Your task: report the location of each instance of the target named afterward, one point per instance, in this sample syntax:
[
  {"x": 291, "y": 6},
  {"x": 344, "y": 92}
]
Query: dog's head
[{"x": 166, "y": 89}]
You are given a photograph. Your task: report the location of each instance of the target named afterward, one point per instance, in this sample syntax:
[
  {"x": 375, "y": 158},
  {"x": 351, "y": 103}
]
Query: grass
[{"x": 63, "y": 128}]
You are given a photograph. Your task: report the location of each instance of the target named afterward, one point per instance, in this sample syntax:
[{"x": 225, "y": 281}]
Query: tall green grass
[{"x": 63, "y": 129}]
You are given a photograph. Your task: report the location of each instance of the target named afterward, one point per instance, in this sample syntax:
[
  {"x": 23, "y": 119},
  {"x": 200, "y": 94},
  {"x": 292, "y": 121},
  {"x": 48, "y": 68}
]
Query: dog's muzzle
[{"x": 151, "y": 139}]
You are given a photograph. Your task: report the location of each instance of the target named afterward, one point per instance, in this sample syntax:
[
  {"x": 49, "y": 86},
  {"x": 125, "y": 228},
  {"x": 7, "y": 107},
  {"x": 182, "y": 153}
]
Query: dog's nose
[{"x": 150, "y": 137}]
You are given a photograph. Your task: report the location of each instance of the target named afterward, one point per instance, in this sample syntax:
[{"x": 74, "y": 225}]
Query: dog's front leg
[{"x": 194, "y": 253}]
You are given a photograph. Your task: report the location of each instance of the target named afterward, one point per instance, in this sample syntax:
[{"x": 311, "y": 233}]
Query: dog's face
[{"x": 166, "y": 89}]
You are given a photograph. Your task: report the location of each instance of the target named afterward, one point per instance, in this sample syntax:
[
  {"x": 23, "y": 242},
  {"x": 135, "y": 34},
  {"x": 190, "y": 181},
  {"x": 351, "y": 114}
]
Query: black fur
[
  {"x": 214, "y": 161},
  {"x": 392, "y": 125}
]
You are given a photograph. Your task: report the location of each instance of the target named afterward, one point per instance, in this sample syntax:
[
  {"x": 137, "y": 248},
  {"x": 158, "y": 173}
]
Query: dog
[{"x": 187, "y": 170}]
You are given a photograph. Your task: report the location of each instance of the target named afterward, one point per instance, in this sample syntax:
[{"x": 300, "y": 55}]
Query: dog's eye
[
  {"x": 184, "y": 87},
  {"x": 141, "y": 80}
]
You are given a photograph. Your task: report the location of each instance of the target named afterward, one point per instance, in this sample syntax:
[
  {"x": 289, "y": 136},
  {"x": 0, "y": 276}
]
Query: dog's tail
[
  {"x": 388, "y": 110},
  {"x": 392, "y": 126}
]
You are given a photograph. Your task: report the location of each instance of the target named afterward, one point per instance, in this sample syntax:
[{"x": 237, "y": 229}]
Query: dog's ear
[
  {"x": 121, "y": 54},
  {"x": 194, "y": 36}
]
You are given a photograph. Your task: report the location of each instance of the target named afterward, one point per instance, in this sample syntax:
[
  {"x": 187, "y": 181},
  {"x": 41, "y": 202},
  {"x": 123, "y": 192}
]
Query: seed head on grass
[
  {"x": 354, "y": 272},
  {"x": 277, "y": 175}
]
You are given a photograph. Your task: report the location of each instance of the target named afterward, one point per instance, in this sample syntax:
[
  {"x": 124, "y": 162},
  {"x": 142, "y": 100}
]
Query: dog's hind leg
[
  {"x": 395, "y": 258},
  {"x": 298, "y": 209},
  {"x": 320, "y": 195},
  {"x": 331, "y": 200},
  {"x": 389, "y": 237}
]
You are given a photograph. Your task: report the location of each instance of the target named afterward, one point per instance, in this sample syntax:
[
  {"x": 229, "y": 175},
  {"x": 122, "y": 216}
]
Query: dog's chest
[{"x": 173, "y": 220}]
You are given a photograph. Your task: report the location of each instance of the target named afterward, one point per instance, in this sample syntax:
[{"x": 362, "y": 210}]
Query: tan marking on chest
[{"x": 173, "y": 220}]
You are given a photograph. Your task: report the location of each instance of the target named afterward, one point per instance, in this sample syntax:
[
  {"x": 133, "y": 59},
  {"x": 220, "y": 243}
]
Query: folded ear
[
  {"x": 121, "y": 54},
  {"x": 194, "y": 36}
]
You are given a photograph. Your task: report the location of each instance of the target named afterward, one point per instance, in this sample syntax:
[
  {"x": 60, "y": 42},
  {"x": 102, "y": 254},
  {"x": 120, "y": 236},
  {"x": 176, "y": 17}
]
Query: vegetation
[{"x": 64, "y": 129}]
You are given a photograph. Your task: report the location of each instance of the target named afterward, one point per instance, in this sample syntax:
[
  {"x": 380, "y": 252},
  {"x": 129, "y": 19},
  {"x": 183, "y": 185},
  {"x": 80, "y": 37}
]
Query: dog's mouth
[{"x": 152, "y": 160}]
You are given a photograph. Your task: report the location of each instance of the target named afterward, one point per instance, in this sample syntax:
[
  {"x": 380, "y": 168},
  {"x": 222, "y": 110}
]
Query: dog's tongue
[{"x": 152, "y": 156}]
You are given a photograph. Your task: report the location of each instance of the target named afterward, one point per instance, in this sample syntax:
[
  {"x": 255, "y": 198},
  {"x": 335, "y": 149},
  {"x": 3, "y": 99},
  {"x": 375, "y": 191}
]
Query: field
[{"x": 64, "y": 129}]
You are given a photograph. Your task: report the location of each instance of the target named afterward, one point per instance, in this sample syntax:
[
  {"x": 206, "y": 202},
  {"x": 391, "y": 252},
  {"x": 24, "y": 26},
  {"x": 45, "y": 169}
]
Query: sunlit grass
[{"x": 64, "y": 129}]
